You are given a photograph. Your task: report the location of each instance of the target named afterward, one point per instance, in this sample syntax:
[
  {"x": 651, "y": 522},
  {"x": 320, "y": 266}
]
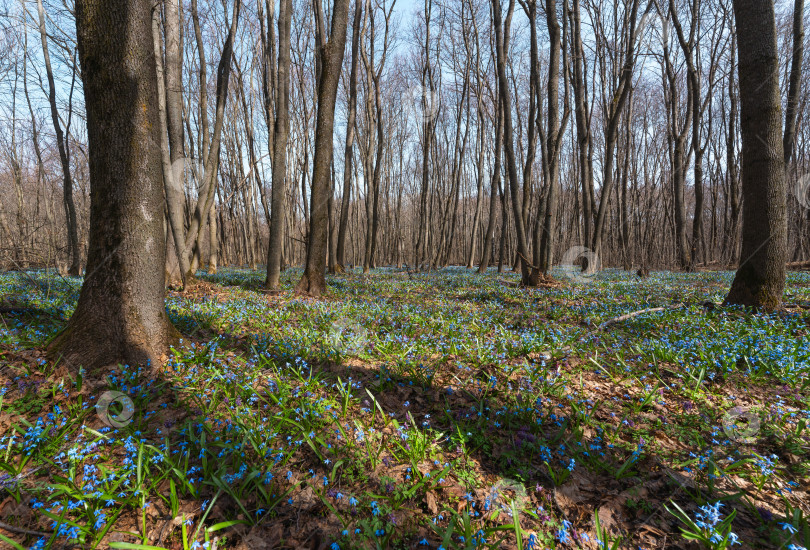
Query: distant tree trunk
[
  {"x": 545, "y": 241},
  {"x": 170, "y": 115},
  {"x": 795, "y": 81},
  {"x": 121, "y": 315},
  {"x": 733, "y": 237},
  {"x": 281, "y": 133},
  {"x": 67, "y": 180},
  {"x": 313, "y": 281},
  {"x": 583, "y": 121},
  {"x": 332, "y": 223},
  {"x": 494, "y": 185},
  {"x": 213, "y": 242},
  {"x": 348, "y": 154},
  {"x": 688, "y": 256},
  {"x": 760, "y": 279},
  {"x": 504, "y": 192},
  {"x": 174, "y": 125},
  {"x": 614, "y": 111},
  {"x": 479, "y": 176},
  {"x": 501, "y": 45},
  {"x": 40, "y": 167},
  {"x": 211, "y": 141}
]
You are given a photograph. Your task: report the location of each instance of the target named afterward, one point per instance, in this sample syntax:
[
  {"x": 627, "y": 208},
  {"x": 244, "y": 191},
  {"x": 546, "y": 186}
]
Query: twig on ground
[
  {"x": 627, "y": 316},
  {"x": 21, "y": 531}
]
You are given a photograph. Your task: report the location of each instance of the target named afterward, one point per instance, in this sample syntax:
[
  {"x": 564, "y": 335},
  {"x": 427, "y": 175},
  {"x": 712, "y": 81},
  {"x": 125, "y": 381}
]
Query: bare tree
[
  {"x": 281, "y": 132},
  {"x": 313, "y": 281},
  {"x": 67, "y": 181}
]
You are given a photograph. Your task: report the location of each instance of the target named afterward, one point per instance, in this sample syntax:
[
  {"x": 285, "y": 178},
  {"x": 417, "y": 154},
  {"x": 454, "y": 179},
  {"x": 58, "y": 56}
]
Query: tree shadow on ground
[{"x": 505, "y": 444}]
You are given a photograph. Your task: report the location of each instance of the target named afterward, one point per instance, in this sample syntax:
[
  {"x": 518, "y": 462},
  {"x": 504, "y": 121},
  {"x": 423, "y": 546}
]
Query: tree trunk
[
  {"x": 494, "y": 185},
  {"x": 501, "y": 45},
  {"x": 313, "y": 281},
  {"x": 348, "y": 154},
  {"x": 121, "y": 315},
  {"x": 795, "y": 81},
  {"x": 67, "y": 185},
  {"x": 622, "y": 92},
  {"x": 760, "y": 279},
  {"x": 546, "y": 241},
  {"x": 213, "y": 244},
  {"x": 281, "y": 133},
  {"x": 583, "y": 121}
]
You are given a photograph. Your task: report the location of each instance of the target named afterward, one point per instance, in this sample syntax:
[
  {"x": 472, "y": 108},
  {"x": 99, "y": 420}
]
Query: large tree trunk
[
  {"x": 313, "y": 281},
  {"x": 760, "y": 279},
  {"x": 121, "y": 315},
  {"x": 281, "y": 133}
]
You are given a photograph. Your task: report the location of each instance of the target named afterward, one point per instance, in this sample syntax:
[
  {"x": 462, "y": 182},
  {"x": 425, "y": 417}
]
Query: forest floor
[{"x": 443, "y": 410}]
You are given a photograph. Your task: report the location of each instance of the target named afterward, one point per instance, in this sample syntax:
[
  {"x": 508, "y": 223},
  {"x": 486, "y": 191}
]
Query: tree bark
[
  {"x": 501, "y": 45},
  {"x": 120, "y": 316},
  {"x": 170, "y": 115},
  {"x": 494, "y": 185},
  {"x": 760, "y": 279},
  {"x": 313, "y": 281},
  {"x": 281, "y": 133},
  {"x": 546, "y": 241},
  {"x": 794, "y": 88}
]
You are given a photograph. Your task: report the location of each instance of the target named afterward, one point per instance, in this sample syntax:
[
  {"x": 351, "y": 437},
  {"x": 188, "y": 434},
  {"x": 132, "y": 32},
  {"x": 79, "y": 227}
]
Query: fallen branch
[
  {"x": 21, "y": 531},
  {"x": 627, "y": 316}
]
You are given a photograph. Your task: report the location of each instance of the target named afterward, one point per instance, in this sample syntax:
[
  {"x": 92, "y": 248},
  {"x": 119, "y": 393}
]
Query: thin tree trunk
[
  {"x": 281, "y": 133},
  {"x": 348, "y": 154},
  {"x": 502, "y": 45},
  {"x": 495, "y": 183},
  {"x": 794, "y": 88},
  {"x": 67, "y": 180}
]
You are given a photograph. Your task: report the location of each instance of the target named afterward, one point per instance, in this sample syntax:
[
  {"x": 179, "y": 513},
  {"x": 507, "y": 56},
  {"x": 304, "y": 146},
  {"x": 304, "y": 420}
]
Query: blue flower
[{"x": 789, "y": 527}]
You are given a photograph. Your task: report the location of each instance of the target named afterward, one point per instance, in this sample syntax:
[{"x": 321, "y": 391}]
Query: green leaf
[{"x": 131, "y": 546}]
